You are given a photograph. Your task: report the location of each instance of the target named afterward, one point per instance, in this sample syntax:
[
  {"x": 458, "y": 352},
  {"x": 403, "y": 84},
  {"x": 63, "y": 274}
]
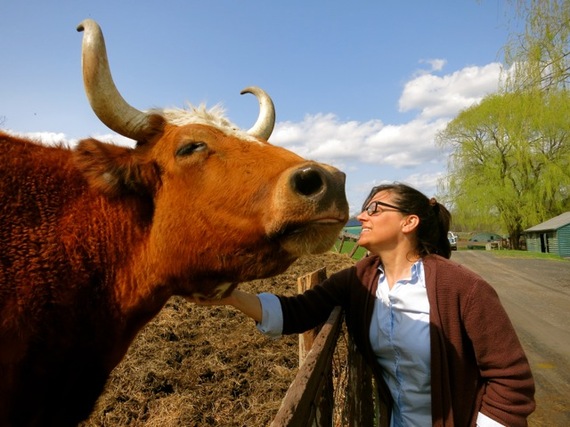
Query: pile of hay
[{"x": 207, "y": 366}]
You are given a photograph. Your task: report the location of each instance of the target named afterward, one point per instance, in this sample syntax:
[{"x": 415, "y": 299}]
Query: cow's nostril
[{"x": 307, "y": 181}]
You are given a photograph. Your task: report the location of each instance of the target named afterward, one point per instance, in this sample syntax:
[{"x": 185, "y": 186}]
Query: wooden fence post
[
  {"x": 360, "y": 391},
  {"x": 309, "y": 402},
  {"x": 303, "y": 283},
  {"x": 342, "y": 239},
  {"x": 348, "y": 236}
]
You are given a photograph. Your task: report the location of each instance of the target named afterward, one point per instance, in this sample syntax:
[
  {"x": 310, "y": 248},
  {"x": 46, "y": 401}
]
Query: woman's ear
[{"x": 410, "y": 223}]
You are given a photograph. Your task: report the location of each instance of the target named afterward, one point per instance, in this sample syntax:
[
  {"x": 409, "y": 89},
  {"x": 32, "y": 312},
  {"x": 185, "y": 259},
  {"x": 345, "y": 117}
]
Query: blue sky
[{"x": 362, "y": 85}]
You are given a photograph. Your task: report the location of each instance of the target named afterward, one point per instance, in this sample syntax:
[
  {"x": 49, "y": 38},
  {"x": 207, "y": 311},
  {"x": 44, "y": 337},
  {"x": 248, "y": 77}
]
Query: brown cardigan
[{"x": 477, "y": 361}]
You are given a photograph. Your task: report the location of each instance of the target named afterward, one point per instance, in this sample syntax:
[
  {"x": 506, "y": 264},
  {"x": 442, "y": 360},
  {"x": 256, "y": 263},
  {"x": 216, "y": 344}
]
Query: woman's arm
[
  {"x": 509, "y": 392},
  {"x": 293, "y": 314},
  {"x": 245, "y": 302}
]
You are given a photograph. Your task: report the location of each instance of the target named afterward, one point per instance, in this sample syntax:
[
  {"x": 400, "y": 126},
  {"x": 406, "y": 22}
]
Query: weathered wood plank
[
  {"x": 298, "y": 404},
  {"x": 303, "y": 283}
]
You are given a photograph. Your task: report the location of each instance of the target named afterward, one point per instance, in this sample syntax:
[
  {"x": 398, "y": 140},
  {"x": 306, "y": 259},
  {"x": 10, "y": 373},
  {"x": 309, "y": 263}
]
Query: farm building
[{"x": 552, "y": 236}]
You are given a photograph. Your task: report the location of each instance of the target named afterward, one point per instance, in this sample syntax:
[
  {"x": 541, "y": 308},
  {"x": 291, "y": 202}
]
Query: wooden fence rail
[
  {"x": 308, "y": 401},
  {"x": 344, "y": 236},
  {"x": 312, "y": 399}
]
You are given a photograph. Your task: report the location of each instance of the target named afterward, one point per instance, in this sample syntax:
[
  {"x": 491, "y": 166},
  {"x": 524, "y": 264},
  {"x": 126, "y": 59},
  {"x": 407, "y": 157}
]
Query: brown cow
[{"x": 94, "y": 240}]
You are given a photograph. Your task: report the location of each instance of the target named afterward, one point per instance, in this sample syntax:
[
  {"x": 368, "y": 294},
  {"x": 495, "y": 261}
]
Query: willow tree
[
  {"x": 509, "y": 160},
  {"x": 540, "y": 56}
]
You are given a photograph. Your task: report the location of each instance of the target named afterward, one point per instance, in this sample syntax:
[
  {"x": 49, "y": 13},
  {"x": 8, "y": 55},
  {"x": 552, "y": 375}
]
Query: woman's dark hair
[{"x": 434, "y": 217}]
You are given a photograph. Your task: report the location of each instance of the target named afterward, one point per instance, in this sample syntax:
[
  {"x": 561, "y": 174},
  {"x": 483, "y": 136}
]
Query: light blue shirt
[
  {"x": 272, "y": 316},
  {"x": 399, "y": 334}
]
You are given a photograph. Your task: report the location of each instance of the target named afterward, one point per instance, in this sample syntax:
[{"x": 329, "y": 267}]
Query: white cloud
[
  {"x": 47, "y": 138},
  {"x": 435, "y": 65},
  {"x": 116, "y": 139},
  {"x": 445, "y": 96},
  {"x": 426, "y": 182},
  {"x": 54, "y": 138},
  {"x": 325, "y": 138}
]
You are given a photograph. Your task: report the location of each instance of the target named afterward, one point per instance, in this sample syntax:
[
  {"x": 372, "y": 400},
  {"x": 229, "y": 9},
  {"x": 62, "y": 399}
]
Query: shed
[{"x": 552, "y": 236}]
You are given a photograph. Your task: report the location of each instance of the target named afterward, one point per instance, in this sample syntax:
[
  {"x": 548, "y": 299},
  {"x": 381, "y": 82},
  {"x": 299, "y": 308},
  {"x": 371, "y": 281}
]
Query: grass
[
  {"x": 505, "y": 253},
  {"x": 509, "y": 253},
  {"x": 347, "y": 248}
]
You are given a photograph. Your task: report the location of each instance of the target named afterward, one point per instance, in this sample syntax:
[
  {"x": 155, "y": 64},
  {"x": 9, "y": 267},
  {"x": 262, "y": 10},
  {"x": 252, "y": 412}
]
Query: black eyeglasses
[{"x": 376, "y": 206}]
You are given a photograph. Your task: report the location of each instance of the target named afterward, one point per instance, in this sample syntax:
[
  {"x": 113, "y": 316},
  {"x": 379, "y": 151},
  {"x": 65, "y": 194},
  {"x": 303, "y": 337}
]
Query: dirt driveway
[{"x": 536, "y": 294}]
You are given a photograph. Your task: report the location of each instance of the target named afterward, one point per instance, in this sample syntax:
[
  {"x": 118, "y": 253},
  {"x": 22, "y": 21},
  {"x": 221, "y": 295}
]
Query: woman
[{"x": 435, "y": 334}]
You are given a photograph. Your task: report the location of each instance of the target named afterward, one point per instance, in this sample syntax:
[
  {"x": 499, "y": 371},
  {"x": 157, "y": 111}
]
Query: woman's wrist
[{"x": 247, "y": 303}]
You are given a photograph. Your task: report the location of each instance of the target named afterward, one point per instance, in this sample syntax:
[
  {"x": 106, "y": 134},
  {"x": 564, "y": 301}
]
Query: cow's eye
[{"x": 191, "y": 148}]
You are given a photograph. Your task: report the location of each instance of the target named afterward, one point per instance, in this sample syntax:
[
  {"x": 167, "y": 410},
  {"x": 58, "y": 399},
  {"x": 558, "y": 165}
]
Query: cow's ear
[{"x": 116, "y": 170}]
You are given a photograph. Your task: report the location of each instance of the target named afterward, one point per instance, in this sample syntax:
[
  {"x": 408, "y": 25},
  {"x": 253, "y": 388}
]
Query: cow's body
[{"x": 94, "y": 240}]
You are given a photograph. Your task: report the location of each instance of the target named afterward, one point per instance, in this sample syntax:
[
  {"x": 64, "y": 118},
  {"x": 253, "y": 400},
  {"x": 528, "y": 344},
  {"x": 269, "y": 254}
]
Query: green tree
[
  {"x": 509, "y": 160},
  {"x": 540, "y": 57}
]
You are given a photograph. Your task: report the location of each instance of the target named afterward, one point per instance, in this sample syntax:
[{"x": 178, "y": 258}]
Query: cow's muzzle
[{"x": 309, "y": 208}]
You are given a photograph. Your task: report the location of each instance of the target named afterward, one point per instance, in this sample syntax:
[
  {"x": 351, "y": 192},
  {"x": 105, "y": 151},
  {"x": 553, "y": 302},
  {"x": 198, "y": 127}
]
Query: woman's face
[{"x": 381, "y": 230}]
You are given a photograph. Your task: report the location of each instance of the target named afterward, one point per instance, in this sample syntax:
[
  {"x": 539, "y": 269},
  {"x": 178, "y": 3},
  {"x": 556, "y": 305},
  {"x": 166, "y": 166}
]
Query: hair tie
[{"x": 432, "y": 201}]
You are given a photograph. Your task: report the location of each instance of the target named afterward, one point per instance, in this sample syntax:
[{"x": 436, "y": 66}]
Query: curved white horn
[
  {"x": 266, "y": 120},
  {"x": 105, "y": 99}
]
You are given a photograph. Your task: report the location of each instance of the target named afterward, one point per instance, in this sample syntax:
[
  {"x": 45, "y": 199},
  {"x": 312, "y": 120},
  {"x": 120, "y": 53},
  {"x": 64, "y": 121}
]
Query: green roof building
[{"x": 552, "y": 236}]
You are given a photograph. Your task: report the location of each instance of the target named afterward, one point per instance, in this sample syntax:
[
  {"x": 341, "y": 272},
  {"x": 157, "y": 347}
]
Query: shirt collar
[{"x": 416, "y": 271}]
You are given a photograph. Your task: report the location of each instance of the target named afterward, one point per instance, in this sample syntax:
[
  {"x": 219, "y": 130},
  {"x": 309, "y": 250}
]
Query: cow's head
[{"x": 227, "y": 206}]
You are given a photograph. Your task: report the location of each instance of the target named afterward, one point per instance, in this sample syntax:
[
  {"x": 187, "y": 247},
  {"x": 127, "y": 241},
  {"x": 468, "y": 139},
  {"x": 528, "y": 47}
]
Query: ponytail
[{"x": 443, "y": 220}]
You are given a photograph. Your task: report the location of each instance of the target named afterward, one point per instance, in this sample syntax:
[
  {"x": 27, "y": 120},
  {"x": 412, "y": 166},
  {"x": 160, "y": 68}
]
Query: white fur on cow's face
[{"x": 201, "y": 115}]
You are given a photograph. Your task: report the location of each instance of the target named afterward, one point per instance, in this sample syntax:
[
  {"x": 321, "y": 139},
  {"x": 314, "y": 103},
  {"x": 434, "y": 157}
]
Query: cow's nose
[
  {"x": 308, "y": 181},
  {"x": 322, "y": 186}
]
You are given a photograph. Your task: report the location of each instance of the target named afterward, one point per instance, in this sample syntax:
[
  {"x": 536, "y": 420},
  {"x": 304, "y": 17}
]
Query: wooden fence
[
  {"x": 351, "y": 237},
  {"x": 317, "y": 397}
]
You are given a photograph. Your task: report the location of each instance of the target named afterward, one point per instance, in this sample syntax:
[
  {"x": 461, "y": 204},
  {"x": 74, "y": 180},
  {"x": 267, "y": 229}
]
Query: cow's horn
[
  {"x": 266, "y": 120},
  {"x": 105, "y": 99}
]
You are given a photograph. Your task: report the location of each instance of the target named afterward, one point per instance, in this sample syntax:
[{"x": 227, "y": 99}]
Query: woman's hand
[
  {"x": 210, "y": 302},
  {"x": 245, "y": 302}
]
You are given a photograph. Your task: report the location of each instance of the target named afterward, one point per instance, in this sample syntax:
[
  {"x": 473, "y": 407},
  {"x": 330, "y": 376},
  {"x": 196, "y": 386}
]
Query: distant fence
[
  {"x": 343, "y": 237},
  {"x": 316, "y": 397}
]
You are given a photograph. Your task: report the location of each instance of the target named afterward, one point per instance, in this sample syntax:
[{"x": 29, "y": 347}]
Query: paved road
[{"x": 536, "y": 294}]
